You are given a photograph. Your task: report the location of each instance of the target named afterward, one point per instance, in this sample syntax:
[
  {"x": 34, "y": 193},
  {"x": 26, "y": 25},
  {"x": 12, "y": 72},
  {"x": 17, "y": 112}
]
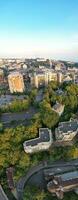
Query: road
[
  {"x": 8, "y": 117},
  {"x": 36, "y": 174},
  {"x": 2, "y": 194},
  {"x": 39, "y": 96}
]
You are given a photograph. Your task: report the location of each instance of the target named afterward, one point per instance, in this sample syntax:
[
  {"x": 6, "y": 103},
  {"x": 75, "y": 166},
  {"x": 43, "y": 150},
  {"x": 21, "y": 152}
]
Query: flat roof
[
  {"x": 64, "y": 180},
  {"x": 44, "y": 136},
  {"x": 65, "y": 127},
  {"x": 69, "y": 175}
]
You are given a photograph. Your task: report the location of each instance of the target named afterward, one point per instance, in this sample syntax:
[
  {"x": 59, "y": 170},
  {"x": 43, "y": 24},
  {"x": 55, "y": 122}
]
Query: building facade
[
  {"x": 63, "y": 183},
  {"x": 43, "y": 142},
  {"x": 66, "y": 131},
  {"x": 16, "y": 83},
  {"x": 42, "y": 78}
]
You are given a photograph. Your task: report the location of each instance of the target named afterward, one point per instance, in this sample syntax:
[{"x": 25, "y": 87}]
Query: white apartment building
[
  {"x": 43, "y": 142},
  {"x": 66, "y": 131}
]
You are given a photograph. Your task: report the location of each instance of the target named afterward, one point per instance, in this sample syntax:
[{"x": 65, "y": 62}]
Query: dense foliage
[{"x": 11, "y": 139}]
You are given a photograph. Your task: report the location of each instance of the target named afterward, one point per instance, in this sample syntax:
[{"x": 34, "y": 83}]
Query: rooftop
[
  {"x": 65, "y": 181},
  {"x": 15, "y": 73},
  {"x": 69, "y": 175},
  {"x": 44, "y": 136},
  {"x": 69, "y": 126}
]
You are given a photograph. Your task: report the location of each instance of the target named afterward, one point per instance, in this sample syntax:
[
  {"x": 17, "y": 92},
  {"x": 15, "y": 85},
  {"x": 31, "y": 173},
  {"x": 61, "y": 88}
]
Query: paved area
[
  {"x": 8, "y": 117},
  {"x": 2, "y": 194}
]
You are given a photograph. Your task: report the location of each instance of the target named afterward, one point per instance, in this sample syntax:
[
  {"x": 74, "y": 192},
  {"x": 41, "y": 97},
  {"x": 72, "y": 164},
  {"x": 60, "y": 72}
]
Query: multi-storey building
[
  {"x": 43, "y": 142},
  {"x": 66, "y": 131},
  {"x": 1, "y": 76},
  {"x": 75, "y": 78},
  {"x": 39, "y": 79},
  {"x": 16, "y": 83},
  {"x": 42, "y": 78}
]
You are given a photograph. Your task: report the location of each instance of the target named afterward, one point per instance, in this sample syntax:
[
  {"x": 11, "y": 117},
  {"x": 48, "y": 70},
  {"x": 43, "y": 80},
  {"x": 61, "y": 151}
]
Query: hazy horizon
[{"x": 39, "y": 28}]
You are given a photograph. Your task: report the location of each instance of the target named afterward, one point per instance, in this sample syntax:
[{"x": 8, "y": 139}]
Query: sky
[{"x": 39, "y": 28}]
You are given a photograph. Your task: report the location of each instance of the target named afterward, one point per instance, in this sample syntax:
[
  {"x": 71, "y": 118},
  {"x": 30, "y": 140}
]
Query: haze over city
[
  {"x": 39, "y": 99},
  {"x": 39, "y": 28}
]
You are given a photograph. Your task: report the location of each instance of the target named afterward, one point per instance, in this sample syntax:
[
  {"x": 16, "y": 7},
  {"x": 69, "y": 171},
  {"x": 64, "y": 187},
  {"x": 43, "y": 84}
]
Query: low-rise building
[
  {"x": 63, "y": 183},
  {"x": 43, "y": 142},
  {"x": 58, "y": 108},
  {"x": 66, "y": 131}
]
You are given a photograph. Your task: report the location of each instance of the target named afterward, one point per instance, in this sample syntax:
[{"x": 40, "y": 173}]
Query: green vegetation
[
  {"x": 37, "y": 194},
  {"x": 20, "y": 105},
  {"x": 17, "y": 106},
  {"x": 1, "y": 127},
  {"x": 11, "y": 139},
  {"x": 49, "y": 118}
]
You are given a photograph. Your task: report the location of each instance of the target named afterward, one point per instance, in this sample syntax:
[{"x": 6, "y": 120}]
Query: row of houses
[{"x": 18, "y": 80}]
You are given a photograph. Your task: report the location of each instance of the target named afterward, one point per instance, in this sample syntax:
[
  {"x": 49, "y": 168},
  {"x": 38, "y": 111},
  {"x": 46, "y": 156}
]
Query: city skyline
[{"x": 39, "y": 28}]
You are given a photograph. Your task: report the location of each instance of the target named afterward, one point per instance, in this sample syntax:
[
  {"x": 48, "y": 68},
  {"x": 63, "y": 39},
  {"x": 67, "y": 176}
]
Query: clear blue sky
[{"x": 45, "y": 28}]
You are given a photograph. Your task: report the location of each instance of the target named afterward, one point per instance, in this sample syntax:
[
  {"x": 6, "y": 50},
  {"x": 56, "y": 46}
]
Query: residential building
[
  {"x": 1, "y": 76},
  {"x": 67, "y": 79},
  {"x": 16, "y": 83},
  {"x": 44, "y": 76},
  {"x": 39, "y": 79},
  {"x": 58, "y": 108},
  {"x": 76, "y": 79},
  {"x": 66, "y": 131},
  {"x": 43, "y": 142},
  {"x": 24, "y": 66},
  {"x": 40, "y": 59},
  {"x": 59, "y": 77},
  {"x": 63, "y": 183},
  {"x": 58, "y": 66},
  {"x": 52, "y": 76}
]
